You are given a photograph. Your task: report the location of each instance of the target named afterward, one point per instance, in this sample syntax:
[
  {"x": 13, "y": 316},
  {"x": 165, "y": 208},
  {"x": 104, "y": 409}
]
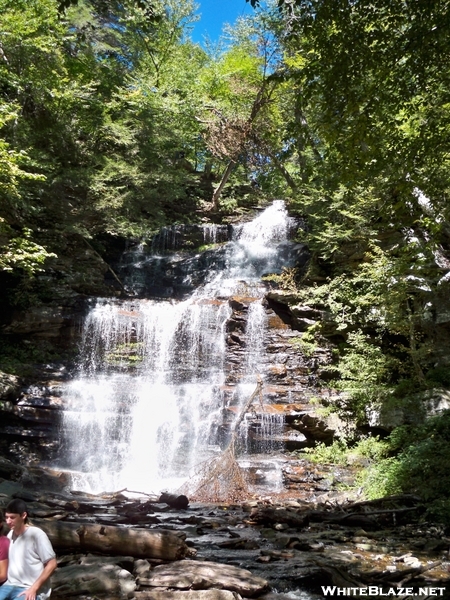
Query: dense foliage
[{"x": 113, "y": 122}]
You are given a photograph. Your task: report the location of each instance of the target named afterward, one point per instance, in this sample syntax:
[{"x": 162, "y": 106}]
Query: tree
[
  {"x": 89, "y": 143},
  {"x": 240, "y": 87},
  {"x": 366, "y": 119}
]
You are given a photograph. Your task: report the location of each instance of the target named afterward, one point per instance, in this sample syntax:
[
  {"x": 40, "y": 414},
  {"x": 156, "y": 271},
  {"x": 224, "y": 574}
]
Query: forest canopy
[
  {"x": 114, "y": 122},
  {"x": 110, "y": 115}
]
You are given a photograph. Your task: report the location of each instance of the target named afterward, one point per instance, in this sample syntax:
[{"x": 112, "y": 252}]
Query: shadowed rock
[{"x": 196, "y": 575}]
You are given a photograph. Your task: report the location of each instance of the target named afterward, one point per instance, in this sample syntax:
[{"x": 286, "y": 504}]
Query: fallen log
[
  {"x": 402, "y": 499},
  {"x": 419, "y": 571},
  {"x": 112, "y": 540},
  {"x": 302, "y": 519},
  {"x": 187, "y": 595},
  {"x": 339, "y": 575},
  {"x": 403, "y": 576}
]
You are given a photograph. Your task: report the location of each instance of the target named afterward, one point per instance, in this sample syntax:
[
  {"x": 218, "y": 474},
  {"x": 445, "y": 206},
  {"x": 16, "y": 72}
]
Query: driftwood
[
  {"x": 221, "y": 479},
  {"x": 186, "y": 595},
  {"x": 342, "y": 518},
  {"x": 415, "y": 572},
  {"x": 402, "y": 499},
  {"x": 302, "y": 519},
  {"x": 107, "y": 539},
  {"x": 368, "y": 514},
  {"x": 338, "y": 575}
]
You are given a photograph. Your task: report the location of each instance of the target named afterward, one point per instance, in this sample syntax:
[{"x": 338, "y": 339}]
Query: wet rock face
[
  {"x": 31, "y": 414},
  {"x": 30, "y": 417},
  {"x": 174, "y": 276},
  {"x": 9, "y": 386},
  {"x": 189, "y": 237},
  {"x": 171, "y": 265},
  {"x": 42, "y": 321},
  {"x": 57, "y": 324},
  {"x": 291, "y": 378}
]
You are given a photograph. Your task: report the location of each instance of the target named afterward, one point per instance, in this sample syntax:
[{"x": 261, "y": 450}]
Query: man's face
[{"x": 15, "y": 521}]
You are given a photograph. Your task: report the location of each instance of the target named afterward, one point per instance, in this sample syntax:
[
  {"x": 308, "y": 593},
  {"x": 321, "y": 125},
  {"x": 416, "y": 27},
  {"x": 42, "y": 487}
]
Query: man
[{"x": 31, "y": 557}]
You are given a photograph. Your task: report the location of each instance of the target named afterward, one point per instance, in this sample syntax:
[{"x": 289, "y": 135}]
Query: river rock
[
  {"x": 195, "y": 575},
  {"x": 92, "y": 576}
]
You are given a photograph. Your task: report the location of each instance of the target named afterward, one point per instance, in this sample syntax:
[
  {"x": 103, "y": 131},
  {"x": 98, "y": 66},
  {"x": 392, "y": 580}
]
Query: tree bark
[
  {"x": 218, "y": 191},
  {"x": 107, "y": 539},
  {"x": 285, "y": 173},
  {"x": 412, "y": 340}
]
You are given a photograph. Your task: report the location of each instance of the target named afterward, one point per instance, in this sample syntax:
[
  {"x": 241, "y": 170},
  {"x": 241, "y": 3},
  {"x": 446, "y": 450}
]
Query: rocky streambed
[{"x": 125, "y": 545}]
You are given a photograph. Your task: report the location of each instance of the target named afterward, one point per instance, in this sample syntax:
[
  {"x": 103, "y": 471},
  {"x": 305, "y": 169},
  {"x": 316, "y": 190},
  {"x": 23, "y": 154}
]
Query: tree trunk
[
  {"x": 219, "y": 188},
  {"x": 107, "y": 539},
  {"x": 414, "y": 352},
  {"x": 287, "y": 176}
]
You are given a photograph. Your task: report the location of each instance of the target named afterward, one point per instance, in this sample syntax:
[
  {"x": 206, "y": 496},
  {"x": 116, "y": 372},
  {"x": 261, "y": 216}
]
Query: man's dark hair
[{"x": 17, "y": 507}]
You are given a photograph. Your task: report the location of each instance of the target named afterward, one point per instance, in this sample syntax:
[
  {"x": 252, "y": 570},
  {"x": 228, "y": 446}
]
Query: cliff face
[
  {"x": 31, "y": 409},
  {"x": 296, "y": 375}
]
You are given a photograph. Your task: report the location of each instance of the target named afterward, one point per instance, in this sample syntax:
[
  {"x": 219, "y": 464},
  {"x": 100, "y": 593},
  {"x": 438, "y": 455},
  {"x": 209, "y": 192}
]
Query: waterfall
[{"x": 156, "y": 384}]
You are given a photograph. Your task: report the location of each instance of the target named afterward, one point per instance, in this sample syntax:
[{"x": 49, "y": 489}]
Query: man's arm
[{"x": 49, "y": 567}]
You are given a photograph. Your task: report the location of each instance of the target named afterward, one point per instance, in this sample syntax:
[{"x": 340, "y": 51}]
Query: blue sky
[{"x": 214, "y": 13}]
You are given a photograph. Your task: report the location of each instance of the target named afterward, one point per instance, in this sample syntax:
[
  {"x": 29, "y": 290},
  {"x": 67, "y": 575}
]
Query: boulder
[
  {"x": 422, "y": 405},
  {"x": 313, "y": 427},
  {"x": 306, "y": 312},
  {"x": 196, "y": 575},
  {"x": 8, "y": 469},
  {"x": 92, "y": 576}
]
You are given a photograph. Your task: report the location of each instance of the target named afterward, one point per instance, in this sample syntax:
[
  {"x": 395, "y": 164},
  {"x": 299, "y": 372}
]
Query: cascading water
[{"x": 155, "y": 381}]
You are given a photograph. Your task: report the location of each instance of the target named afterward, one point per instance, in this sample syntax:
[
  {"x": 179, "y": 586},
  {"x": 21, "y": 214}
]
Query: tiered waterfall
[{"x": 158, "y": 385}]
